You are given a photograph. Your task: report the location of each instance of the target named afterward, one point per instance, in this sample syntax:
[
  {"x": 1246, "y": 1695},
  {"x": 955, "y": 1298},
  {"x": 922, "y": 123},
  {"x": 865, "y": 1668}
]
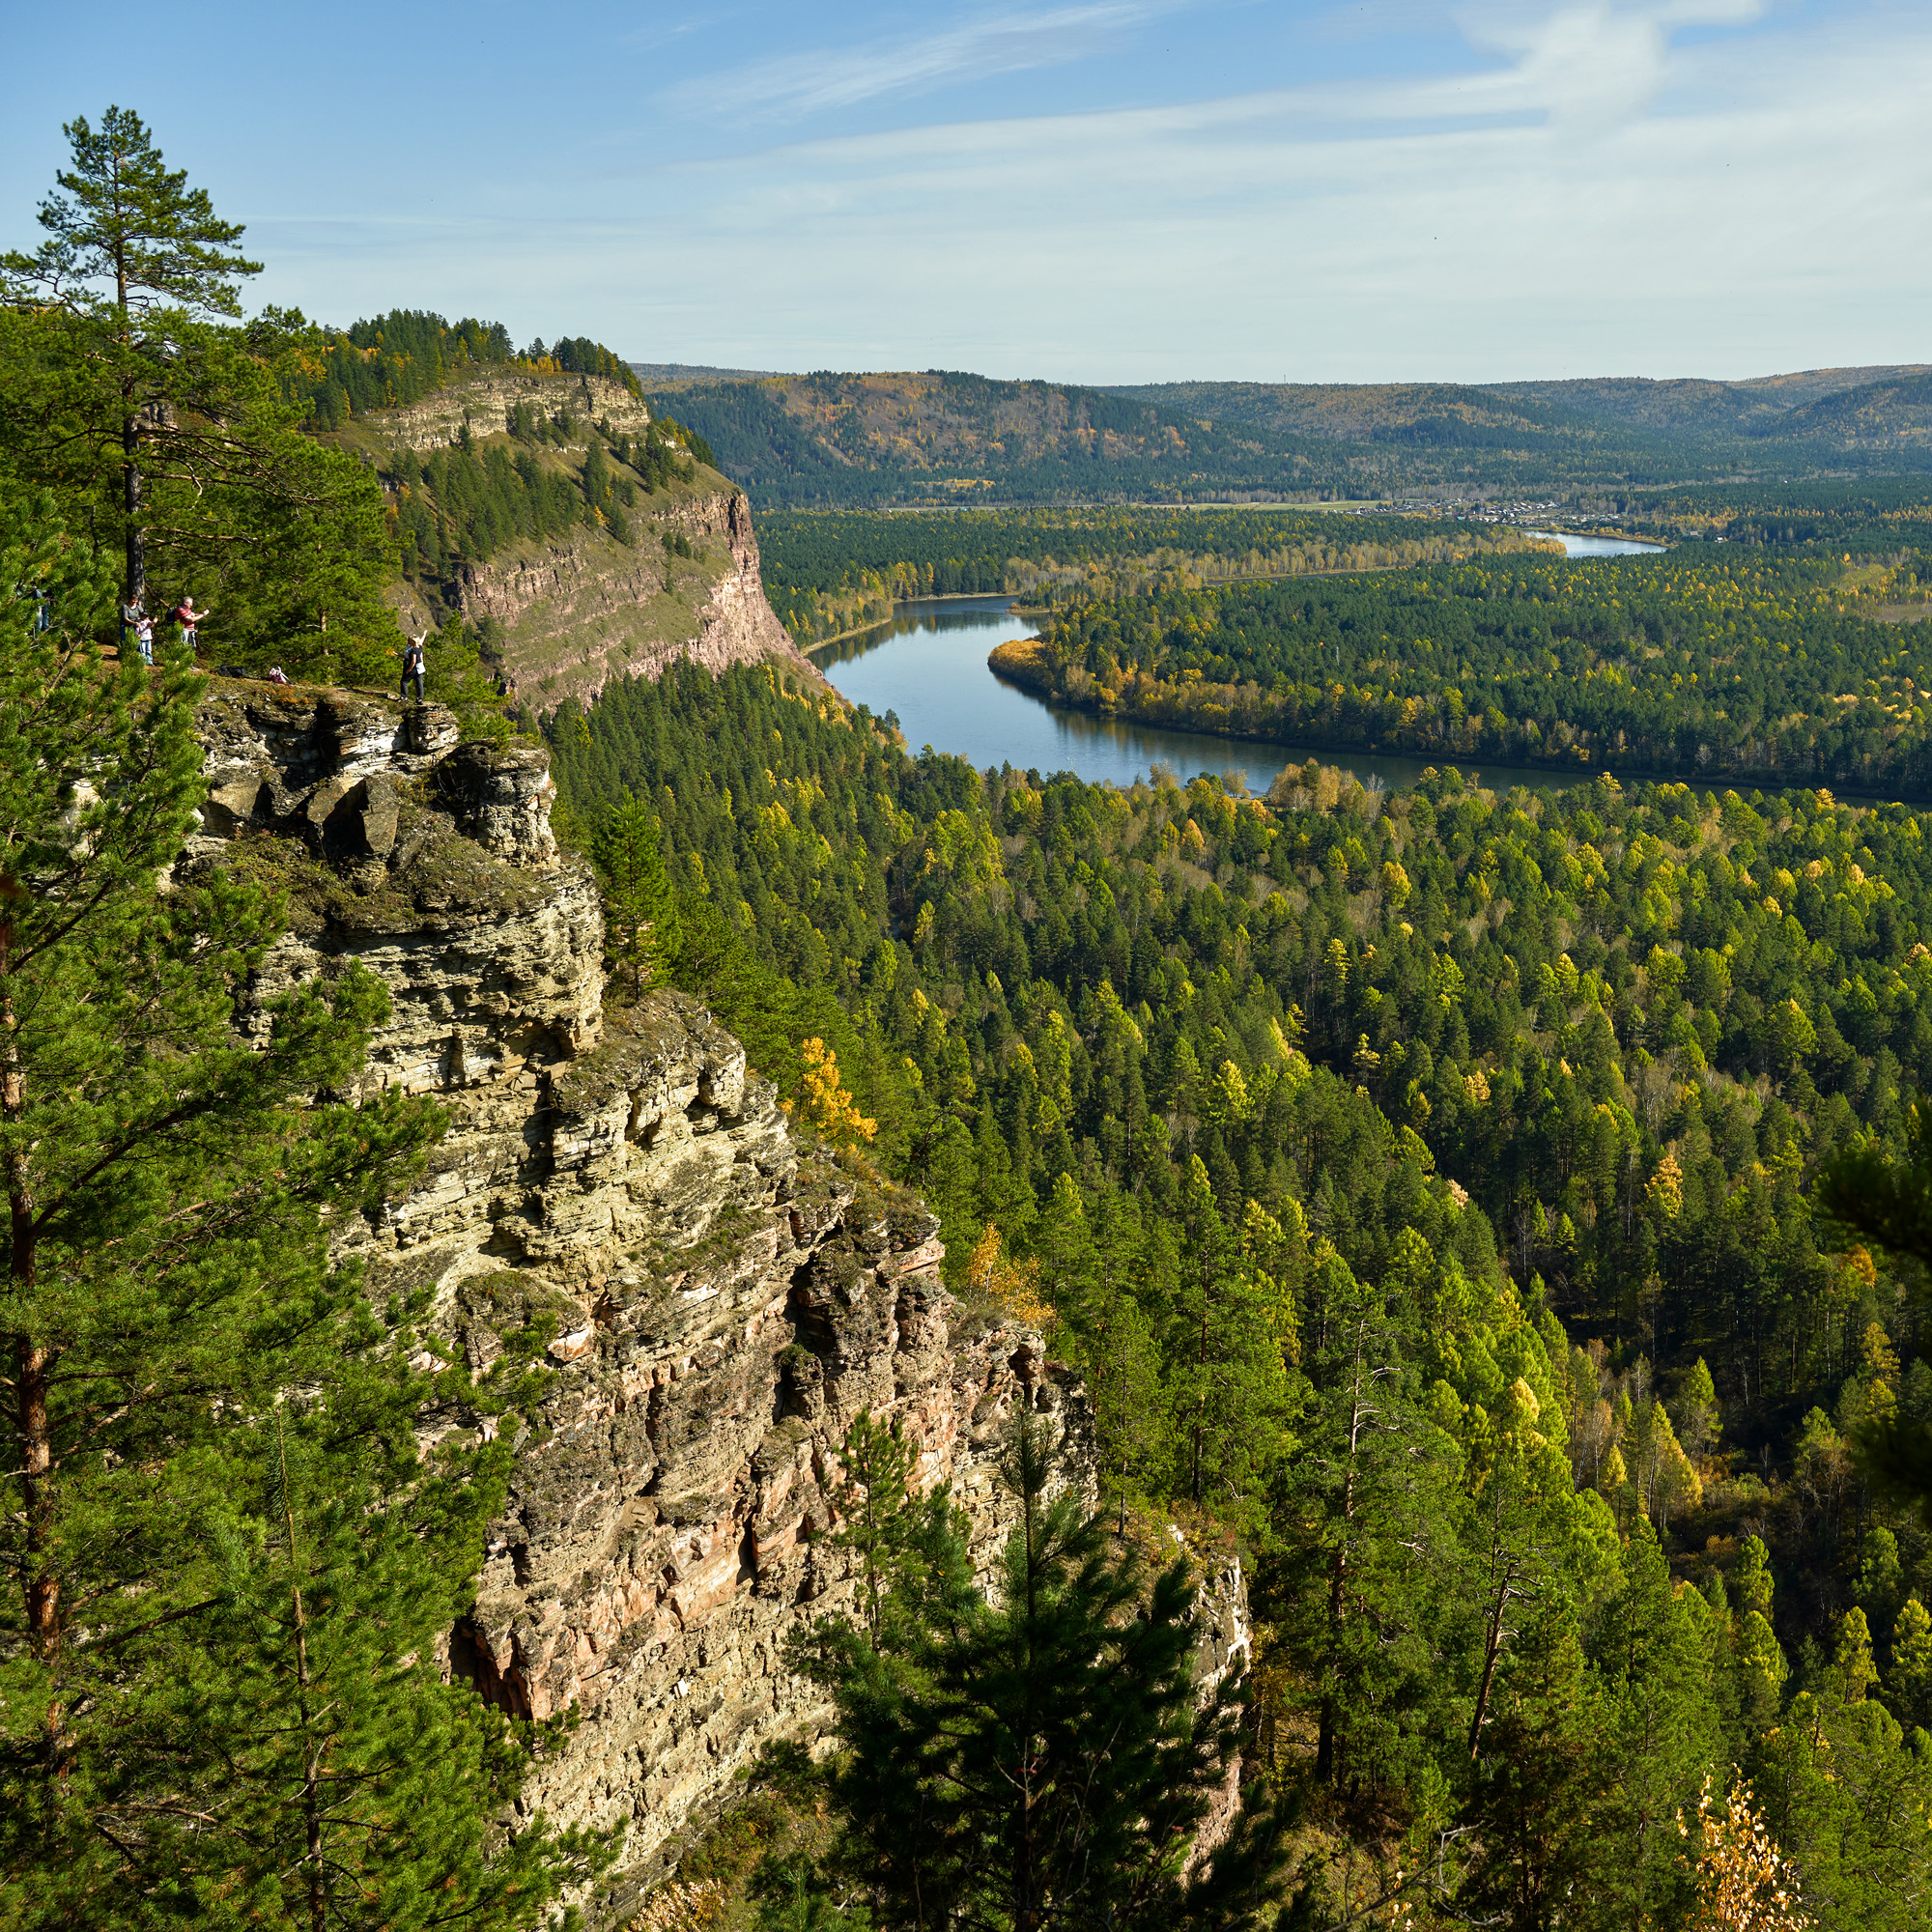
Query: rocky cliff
[
  {"x": 579, "y": 610},
  {"x": 721, "y": 1301},
  {"x": 482, "y": 398}
]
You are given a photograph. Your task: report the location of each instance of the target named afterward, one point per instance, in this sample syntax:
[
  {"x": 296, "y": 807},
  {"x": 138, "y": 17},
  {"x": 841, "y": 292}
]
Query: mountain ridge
[{"x": 890, "y": 438}]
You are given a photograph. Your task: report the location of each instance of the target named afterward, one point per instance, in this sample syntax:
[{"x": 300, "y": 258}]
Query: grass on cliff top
[{"x": 447, "y": 874}]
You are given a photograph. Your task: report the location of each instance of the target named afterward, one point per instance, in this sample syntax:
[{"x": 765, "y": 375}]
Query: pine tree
[
  {"x": 876, "y": 1464},
  {"x": 1659, "y": 1727},
  {"x": 1230, "y": 1392},
  {"x": 1911, "y": 1680},
  {"x": 1761, "y": 1667},
  {"x": 1045, "y": 1759},
  {"x": 354, "y": 1788},
  {"x": 1698, "y": 1410},
  {"x": 1536, "y": 1790},
  {"x": 640, "y": 911},
  {"x": 1521, "y": 1523},
  {"x": 120, "y": 365},
  {"x": 1118, "y": 1351},
  {"x": 121, "y": 220},
  {"x": 1366, "y": 1519},
  {"x": 1845, "y": 1796},
  {"x": 1869, "y": 1196},
  {"x": 1752, "y": 1583},
  {"x": 170, "y": 1304},
  {"x": 1853, "y": 1670}
]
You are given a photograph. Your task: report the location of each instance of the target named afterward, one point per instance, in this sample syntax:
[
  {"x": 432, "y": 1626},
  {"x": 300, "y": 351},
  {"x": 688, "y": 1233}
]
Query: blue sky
[{"x": 1099, "y": 190}]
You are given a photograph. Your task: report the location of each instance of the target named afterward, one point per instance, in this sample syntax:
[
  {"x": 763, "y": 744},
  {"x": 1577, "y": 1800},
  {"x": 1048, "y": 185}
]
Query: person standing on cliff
[
  {"x": 414, "y": 663},
  {"x": 190, "y": 621}
]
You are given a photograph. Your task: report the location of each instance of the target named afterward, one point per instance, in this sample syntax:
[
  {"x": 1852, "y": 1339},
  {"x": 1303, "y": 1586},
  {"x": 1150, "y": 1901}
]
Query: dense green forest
[
  {"x": 1700, "y": 662},
  {"x": 1875, "y": 517},
  {"x": 1424, "y": 1184},
  {"x": 829, "y": 571}
]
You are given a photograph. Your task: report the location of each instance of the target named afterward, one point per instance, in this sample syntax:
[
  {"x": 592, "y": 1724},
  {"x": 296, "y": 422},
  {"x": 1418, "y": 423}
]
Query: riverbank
[{"x": 1029, "y": 665}]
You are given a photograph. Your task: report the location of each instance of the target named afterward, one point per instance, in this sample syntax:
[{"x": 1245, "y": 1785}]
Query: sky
[{"x": 1093, "y": 190}]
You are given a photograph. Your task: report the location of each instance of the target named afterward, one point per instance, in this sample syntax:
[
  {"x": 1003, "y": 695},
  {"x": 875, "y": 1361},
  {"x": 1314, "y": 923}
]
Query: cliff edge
[
  {"x": 580, "y": 611},
  {"x": 574, "y": 611},
  {"x": 721, "y": 1301}
]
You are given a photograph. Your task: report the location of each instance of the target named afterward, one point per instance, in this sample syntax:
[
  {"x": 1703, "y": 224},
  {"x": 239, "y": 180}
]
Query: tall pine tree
[
  {"x": 127, "y": 384},
  {"x": 224, "y": 1572},
  {"x": 1045, "y": 1758}
]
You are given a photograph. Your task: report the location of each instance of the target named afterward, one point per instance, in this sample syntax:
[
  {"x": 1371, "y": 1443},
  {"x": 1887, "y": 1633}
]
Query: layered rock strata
[
  {"x": 720, "y": 1302},
  {"x": 584, "y": 610},
  {"x": 482, "y": 401}
]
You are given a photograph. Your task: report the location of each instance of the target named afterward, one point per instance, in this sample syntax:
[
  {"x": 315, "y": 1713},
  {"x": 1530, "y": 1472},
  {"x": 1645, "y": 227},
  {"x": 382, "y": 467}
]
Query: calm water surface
[
  {"x": 929, "y": 666},
  {"x": 1575, "y": 546}
]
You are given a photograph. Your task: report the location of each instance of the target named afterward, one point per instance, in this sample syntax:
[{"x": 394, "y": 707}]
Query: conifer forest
[{"x": 1493, "y": 1221}]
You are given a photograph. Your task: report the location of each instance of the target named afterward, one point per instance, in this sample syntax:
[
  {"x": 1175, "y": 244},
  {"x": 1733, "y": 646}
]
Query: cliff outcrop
[
  {"x": 483, "y": 398},
  {"x": 582, "y": 611},
  {"x": 578, "y": 610},
  {"x": 719, "y": 1300}
]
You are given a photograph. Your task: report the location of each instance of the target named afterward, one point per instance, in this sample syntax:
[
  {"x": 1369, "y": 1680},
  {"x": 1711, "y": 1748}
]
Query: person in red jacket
[{"x": 189, "y": 619}]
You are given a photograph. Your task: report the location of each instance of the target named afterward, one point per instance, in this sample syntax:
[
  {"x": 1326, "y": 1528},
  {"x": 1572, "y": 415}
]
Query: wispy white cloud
[
  {"x": 1600, "y": 197},
  {"x": 1596, "y": 65},
  {"x": 798, "y": 85}
]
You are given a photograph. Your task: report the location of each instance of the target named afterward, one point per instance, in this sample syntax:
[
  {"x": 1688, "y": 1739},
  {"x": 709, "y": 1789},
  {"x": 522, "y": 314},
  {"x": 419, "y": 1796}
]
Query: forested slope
[
  {"x": 1735, "y": 664},
  {"x": 1587, "y": 431},
  {"x": 1504, "y": 1107},
  {"x": 942, "y": 436},
  {"x": 830, "y": 439}
]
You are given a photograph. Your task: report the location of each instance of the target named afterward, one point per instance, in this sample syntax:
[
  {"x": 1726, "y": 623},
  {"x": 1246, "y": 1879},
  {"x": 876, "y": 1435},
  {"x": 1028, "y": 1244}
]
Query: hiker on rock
[{"x": 414, "y": 663}]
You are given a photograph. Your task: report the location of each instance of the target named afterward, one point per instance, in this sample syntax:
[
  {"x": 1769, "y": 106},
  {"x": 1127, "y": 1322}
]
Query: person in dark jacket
[{"x": 414, "y": 663}]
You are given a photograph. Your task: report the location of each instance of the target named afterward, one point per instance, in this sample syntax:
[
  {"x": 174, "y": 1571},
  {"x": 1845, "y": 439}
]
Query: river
[{"x": 929, "y": 666}]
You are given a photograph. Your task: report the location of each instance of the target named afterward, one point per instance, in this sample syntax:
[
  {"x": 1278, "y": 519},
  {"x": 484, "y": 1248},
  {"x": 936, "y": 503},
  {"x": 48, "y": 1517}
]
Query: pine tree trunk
[
  {"x": 34, "y": 1361},
  {"x": 130, "y": 446},
  {"x": 1492, "y": 1643},
  {"x": 130, "y": 488}
]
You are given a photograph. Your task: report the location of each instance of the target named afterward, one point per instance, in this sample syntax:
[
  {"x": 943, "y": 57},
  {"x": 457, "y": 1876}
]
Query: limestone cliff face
[
  {"x": 579, "y": 609},
  {"x": 721, "y": 1300},
  {"x": 483, "y": 400},
  {"x": 584, "y": 610}
]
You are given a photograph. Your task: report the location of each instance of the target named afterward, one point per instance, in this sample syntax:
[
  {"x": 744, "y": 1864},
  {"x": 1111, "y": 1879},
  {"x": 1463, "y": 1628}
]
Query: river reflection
[{"x": 929, "y": 666}]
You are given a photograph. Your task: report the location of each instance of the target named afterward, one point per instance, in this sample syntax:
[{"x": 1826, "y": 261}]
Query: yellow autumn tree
[
  {"x": 1012, "y": 1286},
  {"x": 1666, "y": 1187},
  {"x": 1745, "y": 1884},
  {"x": 825, "y": 1104}
]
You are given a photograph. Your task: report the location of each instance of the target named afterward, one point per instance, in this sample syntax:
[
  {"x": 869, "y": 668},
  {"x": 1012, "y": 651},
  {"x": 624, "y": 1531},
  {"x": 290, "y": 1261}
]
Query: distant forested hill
[
  {"x": 1622, "y": 429},
  {"x": 830, "y": 439}
]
